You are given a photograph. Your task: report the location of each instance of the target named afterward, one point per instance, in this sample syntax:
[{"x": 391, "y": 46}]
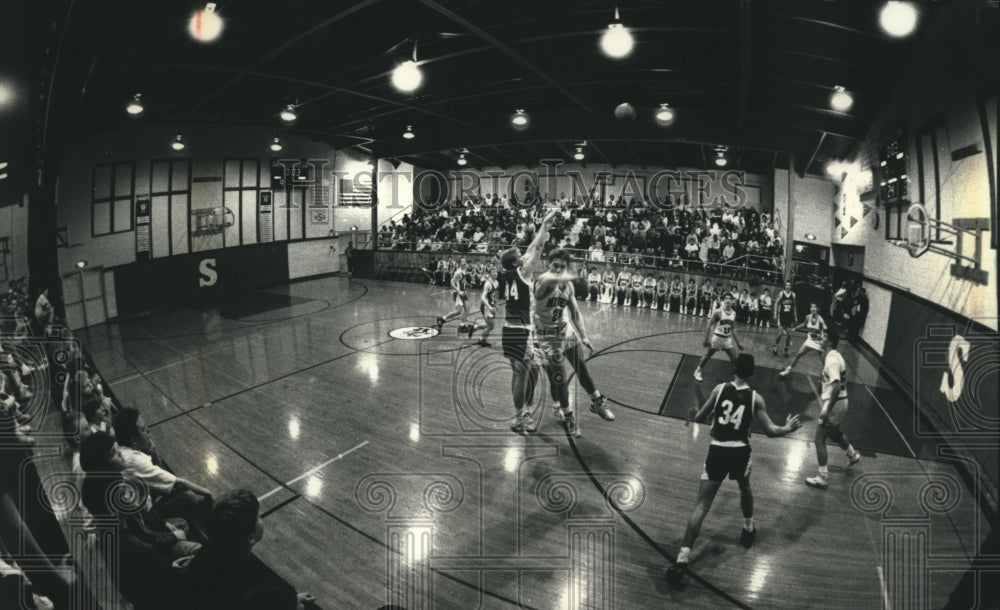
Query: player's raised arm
[
  {"x": 532, "y": 255},
  {"x": 697, "y": 415},
  {"x": 792, "y": 422}
]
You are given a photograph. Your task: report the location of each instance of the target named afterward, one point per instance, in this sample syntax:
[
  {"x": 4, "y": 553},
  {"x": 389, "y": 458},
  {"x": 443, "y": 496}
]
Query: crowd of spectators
[
  {"x": 717, "y": 240},
  {"x": 175, "y": 544}
]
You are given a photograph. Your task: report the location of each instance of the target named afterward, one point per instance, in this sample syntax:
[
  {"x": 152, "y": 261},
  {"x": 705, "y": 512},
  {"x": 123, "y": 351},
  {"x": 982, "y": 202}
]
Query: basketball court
[{"x": 386, "y": 471}]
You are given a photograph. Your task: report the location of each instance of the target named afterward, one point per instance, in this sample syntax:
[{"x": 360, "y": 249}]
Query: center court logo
[{"x": 413, "y": 333}]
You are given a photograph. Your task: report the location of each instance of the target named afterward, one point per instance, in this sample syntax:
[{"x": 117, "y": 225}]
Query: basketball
[{"x": 625, "y": 112}]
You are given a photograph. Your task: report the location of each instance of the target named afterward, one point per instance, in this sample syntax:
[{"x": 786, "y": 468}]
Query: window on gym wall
[
  {"x": 111, "y": 199},
  {"x": 241, "y": 192},
  {"x": 170, "y": 197}
]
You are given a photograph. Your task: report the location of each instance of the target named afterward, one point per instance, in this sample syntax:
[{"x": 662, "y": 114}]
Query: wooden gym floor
[{"x": 387, "y": 474}]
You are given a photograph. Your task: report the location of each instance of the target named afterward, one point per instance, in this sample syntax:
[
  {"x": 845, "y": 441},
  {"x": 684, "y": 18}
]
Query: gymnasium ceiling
[{"x": 755, "y": 75}]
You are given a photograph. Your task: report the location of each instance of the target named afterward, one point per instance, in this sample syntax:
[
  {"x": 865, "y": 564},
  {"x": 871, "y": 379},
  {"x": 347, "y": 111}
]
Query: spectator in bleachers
[{"x": 225, "y": 570}]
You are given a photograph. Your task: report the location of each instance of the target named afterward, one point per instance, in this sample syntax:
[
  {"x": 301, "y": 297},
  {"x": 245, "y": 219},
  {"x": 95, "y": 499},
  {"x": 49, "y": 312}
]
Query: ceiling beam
[
  {"x": 812, "y": 157},
  {"x": 273, "y": 53},
  {"x": 465, "y": 23}
]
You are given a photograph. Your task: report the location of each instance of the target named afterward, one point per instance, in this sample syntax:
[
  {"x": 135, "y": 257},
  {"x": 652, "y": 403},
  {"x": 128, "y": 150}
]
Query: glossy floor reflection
[{"x": 388, "y": 473}]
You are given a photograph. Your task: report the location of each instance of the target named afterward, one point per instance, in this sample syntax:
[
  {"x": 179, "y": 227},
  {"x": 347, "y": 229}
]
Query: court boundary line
[{"x": 312, "y": 470}]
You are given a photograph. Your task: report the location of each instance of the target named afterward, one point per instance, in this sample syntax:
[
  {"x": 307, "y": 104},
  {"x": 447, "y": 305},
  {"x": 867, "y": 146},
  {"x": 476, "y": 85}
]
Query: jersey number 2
[{"x": 729, "y": 417}]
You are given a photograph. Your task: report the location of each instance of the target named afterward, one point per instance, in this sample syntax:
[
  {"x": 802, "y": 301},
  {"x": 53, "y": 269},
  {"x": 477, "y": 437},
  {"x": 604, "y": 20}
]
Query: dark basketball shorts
[
  {"x": 515, "y": 342},
  {"x": 786, "y": 320},
  {"x": 723, "y": 461}
]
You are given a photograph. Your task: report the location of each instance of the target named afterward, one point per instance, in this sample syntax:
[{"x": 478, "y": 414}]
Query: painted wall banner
[
  {"x": 265, "y": 222},
  {"x": 142, "y": 230},
  {"x": 952, "y": 368},
  {"x": 164, "y": 282}
]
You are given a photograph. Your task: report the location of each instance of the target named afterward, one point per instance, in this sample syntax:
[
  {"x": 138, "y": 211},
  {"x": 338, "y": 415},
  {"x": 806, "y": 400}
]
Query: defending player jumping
[
  {"x": 515, "y": 285},
  {"x": 734, "y": 406}
]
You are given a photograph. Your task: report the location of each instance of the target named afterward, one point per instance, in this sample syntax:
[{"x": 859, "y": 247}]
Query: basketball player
[
  {"x": 487, "y": 308},
  {"x": 734, "y": 407},
  {"x": 788, "y": 316},
  {"x": 662, "y": 290},
  {"x": 815, "y": 327},
  {"x": 608, "y": 285},
  {"x": 559, "y": 337},
  {"x": 636, "y": 298},
  {"x": 691, "y": 300},
  {"x": 594, "y": 283},
  {"x": 648, "y": 291},
  {"x": 515, "y": 286},
  {"x": 458, "y": 280},
  {"x": 705, "y": 299},
  {"x": 720, "y": 333},
  {"x": 766, "y": 310},
  {"x": 676, "y": 294},
  {"x": 834, "y": 407},
  {"x": 624, "y": 279}
]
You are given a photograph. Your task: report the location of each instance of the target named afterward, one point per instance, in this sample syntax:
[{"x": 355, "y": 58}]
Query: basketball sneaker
[
  {"x": 818, "y": 481},
  {"x": 852, "y": 460},
  {"x": 785, "y": 372},
  {"x": 697, "y": 375},
  {"x": 530, "y": 422},
  {"x": 484, "y": 343},
  {"x": 747, "y": 537},
  {"x": 569, "y": 421},
  {"x": 675, "y": 574},
  {"x": 439, "y": 323},
  {"x": 774, "y": 350},
  {"x": 599, "y": 406}
]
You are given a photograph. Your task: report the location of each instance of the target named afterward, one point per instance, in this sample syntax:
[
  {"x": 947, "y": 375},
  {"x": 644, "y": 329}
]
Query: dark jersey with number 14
[
  {"x": 733, "y": 414},
  {"x": 517, "y": 292}
]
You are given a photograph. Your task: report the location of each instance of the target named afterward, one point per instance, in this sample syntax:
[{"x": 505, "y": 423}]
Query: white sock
[
  {"x": 824, "y": 471},
  {"x": 851, "y": 452},
  {"x": 595, "y": 395},
  {"x": 684, "y": 555},
  {"x": 748, "y": 524}
]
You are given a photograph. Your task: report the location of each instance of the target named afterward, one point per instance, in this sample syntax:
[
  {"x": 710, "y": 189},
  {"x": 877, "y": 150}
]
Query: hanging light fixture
[
  {"x": 665, "y": 114},
  {"x": 178, "y": 143},
  {"x": 408, "y": 134},
  {"x": 205, "y": 25},
  {"x": 720, "y": 156},
  {"x": 134, "y": 106},
  {"x": 276, "y": 145},
  {"x": 840, "y": 99},
  {"x": 407, "y": 76},
  {"x": 578, "y": 155},
  {"x": 288, "y": 114},
  {"x": 520, "y": 119},
  {"x": 898, "y": 19},
  {"x": 461, "y": 159},
  {"x": 617, "y": 41}
]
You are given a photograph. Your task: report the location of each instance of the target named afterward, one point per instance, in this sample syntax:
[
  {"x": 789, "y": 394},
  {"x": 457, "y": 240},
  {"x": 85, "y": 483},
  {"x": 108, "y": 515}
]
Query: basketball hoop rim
[{"x": 917, "y": 213}]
